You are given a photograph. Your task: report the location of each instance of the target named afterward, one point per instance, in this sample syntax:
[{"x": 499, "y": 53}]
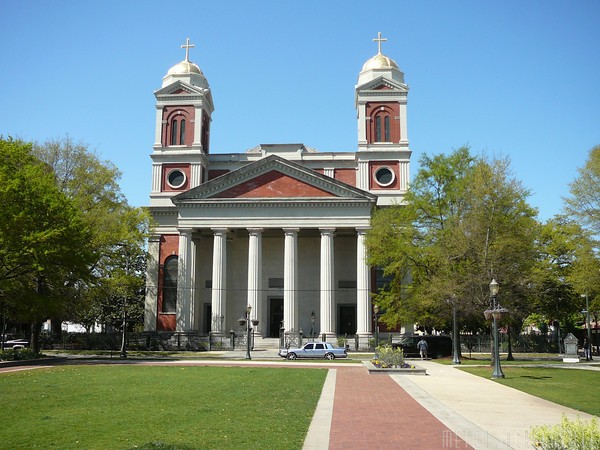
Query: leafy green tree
[
  {"x": 466, "y": 220},
  {"x": 116, "y": 229},
  {"x": 42, "y": 234},
  {"x": 583, "y": 203}
]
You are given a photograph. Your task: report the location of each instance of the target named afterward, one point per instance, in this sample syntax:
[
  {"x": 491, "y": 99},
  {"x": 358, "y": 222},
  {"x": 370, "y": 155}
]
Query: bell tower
[
  {"x": 184, "y": 107},
  {"x": 383, "y": 152}
]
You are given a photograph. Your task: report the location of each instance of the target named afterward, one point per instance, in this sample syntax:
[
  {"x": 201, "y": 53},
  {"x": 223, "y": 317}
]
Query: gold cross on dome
[
  {"x": 187, "y": 47},
  {"x": 379, "y": 40}
]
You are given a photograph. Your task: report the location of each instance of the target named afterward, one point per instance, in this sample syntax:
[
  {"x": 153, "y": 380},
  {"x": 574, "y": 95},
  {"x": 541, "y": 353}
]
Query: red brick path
[{"x": 372, "y": 411}]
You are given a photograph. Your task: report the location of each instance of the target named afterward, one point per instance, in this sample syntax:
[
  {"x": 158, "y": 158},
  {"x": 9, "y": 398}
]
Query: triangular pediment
[
  {"x": 380, "y": 83},
  {"x": 272, "y": 178},
  {"x": 180, "y": 88}
]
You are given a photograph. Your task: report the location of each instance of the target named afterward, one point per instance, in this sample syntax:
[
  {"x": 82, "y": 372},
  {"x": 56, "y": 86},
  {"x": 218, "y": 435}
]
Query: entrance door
[
  {"x": 275, "y": 316},
  {"x": 206, "y": 318},
  {"x": 346, "y": 320}
]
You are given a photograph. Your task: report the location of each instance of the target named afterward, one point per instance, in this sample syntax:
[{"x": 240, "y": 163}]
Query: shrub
[
  {"x": 569, "y": 434},
  {"x": 16, "y": 354},
  {"x": 390, "y": 357}
]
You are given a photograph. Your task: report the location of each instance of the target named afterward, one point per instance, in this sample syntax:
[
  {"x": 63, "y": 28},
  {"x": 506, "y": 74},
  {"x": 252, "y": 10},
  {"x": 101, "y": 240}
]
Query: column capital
[
  {"x": 327, "y": 230},
  {"x": 255, "y": 231},
  {"x": 291, "y": 230},
  {"x": 362, "y": 230},
  {"x": 220, "y": 231},
  {"x": 185, "y": 230}
]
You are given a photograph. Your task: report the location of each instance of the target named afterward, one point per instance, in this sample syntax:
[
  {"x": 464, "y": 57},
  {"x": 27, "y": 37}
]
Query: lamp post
[
  {"x": 246, "y": 321},
  {"x": 495, "y": 313},
  {"x": 376, "y": 311},
  {"x": 586, "y": 311},
  {"x": 313, "y": 317},
  {"x": 455, "y": 348}
]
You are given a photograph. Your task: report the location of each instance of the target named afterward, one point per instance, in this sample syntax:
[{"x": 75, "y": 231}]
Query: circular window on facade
[
  {"x": 176, "y": 178},
  {"x": 384, "y": 176}
]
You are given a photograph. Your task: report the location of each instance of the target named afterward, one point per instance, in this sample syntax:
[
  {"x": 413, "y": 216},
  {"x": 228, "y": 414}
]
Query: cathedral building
[{"x": 281, "y": 227}]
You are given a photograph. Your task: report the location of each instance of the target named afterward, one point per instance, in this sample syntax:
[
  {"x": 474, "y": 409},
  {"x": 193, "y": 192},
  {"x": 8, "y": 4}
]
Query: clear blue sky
[{"x": 511, "y": 78}]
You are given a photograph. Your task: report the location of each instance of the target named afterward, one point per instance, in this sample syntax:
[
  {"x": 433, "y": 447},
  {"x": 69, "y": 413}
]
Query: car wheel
[
  {"x": 291, "y": 356},
  {"x": 329, "y": 356}
]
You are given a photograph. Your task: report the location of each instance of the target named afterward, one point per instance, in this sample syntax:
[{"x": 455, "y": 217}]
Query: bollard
[{"x": 232, "y": 337}]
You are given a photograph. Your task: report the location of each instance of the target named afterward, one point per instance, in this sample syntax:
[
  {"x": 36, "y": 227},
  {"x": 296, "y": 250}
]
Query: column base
[{"x": 364, "y": 342}]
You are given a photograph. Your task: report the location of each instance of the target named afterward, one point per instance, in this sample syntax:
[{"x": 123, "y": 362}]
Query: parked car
[
  {"x": 437, "y": 346},
  {"x": 314, "y": 350},
  {"x": 16, "y": 344}
]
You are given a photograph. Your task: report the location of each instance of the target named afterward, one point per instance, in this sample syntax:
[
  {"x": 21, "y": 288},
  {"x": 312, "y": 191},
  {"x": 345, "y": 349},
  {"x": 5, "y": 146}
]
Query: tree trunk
[{"x": 36, "y": 328}]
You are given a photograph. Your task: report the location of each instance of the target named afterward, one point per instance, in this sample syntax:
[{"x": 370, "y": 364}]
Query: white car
[{"x": 314, "y": 350}]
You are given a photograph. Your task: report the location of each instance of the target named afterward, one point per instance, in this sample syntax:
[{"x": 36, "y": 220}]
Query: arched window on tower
[
  {"x": 171, "y": 267},
  {"x": 182, "y": 132},
  {"x": 382, "y": 131},
  {"x": 174, "y": 132}
]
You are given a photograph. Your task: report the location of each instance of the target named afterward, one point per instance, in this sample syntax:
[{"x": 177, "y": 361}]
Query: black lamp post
[
  {"x": 123, "y": 353},
  {"x": 586, "y": 311},
  {"x": 455, "y": 349},
  {"x": 376, "y": 311},
  {"x": 246, "y": 321},
  {"x": 312, "y": 325},
  {"x": 495, "y": 313}
]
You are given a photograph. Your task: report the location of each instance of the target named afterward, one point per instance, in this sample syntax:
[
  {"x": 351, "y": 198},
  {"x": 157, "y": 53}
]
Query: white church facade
[{"x": 281, "y": 227}]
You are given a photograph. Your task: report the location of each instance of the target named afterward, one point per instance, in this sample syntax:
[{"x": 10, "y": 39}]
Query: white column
[
  {"x": 290, "y": 280},
  {"x": 197, "y": 126},
  {"x": 363, "y": 290},
  {"x": 327, "y": 307},
  {"x": 151, "y": 304},
  {"x": 159, "y": 125},
  {"x": 219, "y": 279},
  {"x": 363, "y": 175},
  {"x": 255, "y": 275},
  {"x": 185, "y": 281}
]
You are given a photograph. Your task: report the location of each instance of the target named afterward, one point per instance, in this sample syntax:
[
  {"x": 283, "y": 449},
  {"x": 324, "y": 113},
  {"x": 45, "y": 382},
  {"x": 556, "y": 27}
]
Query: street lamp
[
  {"x": 376, "y": 311},
  {"x": 246, "y": 321},
  {"x": 586, "y": 311},
  {"x": 455, "y": 349},
  {"x": 312, "y": 325},
  {"x": 495, "y": 313}
]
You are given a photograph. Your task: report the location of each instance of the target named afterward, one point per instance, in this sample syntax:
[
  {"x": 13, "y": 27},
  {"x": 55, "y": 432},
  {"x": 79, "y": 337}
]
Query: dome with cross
[
  {"x": 186, "y": 71},
  {"x": 379, "y": 61}
]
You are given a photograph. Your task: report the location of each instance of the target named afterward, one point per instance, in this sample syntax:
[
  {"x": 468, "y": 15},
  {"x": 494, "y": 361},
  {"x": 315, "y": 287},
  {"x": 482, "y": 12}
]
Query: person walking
[
  {"x": 586, "y": 350},
  {"x": 422, "y": 346}
]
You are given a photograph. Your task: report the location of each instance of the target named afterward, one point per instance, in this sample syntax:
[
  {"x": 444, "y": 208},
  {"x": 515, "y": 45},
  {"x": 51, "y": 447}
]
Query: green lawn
[
  {"x": 574, "y": 388},
  {"x": 132, "y": 406}
]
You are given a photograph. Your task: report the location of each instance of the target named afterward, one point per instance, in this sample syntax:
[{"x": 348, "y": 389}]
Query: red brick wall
[
  {"x": 273, "y": 184},
  {"x": 347, "y": 176},
  {"x": 169, "y": 245}
]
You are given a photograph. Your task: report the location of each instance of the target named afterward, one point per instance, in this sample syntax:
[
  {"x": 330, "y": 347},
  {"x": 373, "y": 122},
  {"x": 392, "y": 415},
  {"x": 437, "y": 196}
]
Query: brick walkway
[{"x": 372, "y": 411}]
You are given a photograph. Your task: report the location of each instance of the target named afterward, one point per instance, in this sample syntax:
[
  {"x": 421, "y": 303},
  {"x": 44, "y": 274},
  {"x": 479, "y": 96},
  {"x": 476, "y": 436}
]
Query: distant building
[{"x": 280, "y": 227}]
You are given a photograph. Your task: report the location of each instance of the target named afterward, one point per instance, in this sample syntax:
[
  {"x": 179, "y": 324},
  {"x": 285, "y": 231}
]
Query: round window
[
  {"x": 176, "y": 178},
  {"x": 384, "y": 176}
]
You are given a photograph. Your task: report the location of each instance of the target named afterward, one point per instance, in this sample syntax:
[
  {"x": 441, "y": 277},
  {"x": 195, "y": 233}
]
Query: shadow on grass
[
  {"x": 161, "y": 446},
  {"x": 531, "y": 377}
]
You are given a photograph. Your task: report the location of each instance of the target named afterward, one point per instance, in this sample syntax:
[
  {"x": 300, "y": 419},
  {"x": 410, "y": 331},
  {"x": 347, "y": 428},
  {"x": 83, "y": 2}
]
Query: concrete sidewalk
[
  {"x": 484, "y": 413},
  {"x": 448, "y": 408}
]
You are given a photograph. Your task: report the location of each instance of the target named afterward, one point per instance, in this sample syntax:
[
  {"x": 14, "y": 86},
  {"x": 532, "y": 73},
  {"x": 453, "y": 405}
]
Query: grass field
[
  {"x": 126, "y": 407},
  {"x": 574, "y": 388}
]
